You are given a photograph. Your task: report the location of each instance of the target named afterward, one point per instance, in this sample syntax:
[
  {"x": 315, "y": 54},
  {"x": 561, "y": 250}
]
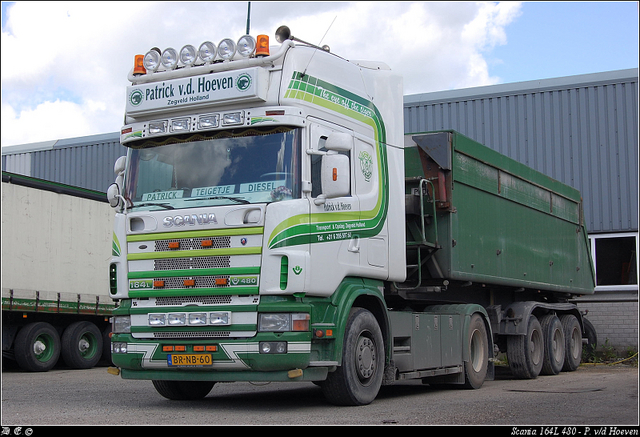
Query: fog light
[{"x": 273, "y": 347}]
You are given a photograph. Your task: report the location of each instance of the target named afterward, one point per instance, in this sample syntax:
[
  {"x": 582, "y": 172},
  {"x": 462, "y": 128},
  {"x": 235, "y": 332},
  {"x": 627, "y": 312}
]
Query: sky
[{"x": 65, "y": 64}]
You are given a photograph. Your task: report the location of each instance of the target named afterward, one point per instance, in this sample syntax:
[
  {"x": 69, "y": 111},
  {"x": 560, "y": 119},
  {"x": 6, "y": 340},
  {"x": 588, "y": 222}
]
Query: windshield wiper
[
  {"x": 237, "y": 199},
  {"x": 164, "y": 205}
]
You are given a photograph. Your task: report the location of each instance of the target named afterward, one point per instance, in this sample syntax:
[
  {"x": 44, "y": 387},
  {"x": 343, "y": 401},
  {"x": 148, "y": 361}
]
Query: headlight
[
  {"x": 226, "y": 49},
  {"x": 151, "y": 60},
  {"x": 197, "y": 318},
  {"x": 188, "y": 54},
  {"x": 121, "y": 324},
  {"x": 284, "y": 322},
  {"x": 157, "y": 319},
  {"x": 180, "y": 124},
  {"x": 157, "y": 127},
  {"x": 170, "y": 58},
  {"x": 207, "y": 51},
  {"x": 179, "y": 319},
  {"x": 246, "y": 46}
]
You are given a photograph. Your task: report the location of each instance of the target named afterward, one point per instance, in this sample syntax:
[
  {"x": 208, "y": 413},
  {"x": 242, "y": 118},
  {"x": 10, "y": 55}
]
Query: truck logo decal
[
  {"x": 136, "y": 97},
  {"x": 366, "y": 165},
  {"x": 337, "y": 225}
]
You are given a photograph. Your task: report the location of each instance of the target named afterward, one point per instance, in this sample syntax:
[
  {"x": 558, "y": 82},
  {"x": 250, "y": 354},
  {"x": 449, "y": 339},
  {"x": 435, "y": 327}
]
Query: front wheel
[
  {"x": 358, "y": 380},
  {"x": 183, "y": 390}
]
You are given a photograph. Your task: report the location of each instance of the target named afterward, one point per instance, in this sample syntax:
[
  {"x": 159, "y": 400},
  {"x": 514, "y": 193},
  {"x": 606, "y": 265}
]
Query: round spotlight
[
  {"x": 169, "y": 58},
  {"x": 188, "y": 55},
  {"x": 151, "y": 60},
  {"x": 226, "y": 49},
  {"x": 246, "y": 46},
  {"x": 207, "y": 51}
]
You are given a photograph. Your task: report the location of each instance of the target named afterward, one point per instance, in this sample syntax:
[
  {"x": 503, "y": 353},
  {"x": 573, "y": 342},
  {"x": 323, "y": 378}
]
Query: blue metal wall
[
  {"x": 85, "y": 162},
  {"x": 581, "y": 130}
]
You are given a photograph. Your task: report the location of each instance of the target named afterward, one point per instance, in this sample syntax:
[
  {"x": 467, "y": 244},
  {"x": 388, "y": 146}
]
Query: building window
[{"x": 615, "y": 260}]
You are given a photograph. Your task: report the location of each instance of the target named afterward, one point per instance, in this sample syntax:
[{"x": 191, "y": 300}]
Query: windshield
[{"x": 253, "y": 165}]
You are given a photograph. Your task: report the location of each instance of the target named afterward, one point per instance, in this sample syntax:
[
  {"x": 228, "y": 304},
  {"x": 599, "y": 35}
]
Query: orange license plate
[{"x": 189, "y": 360}]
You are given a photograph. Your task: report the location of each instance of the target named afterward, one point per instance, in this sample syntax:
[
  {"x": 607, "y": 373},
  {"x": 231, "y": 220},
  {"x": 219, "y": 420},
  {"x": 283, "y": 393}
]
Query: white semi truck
[
  {"x": 275, "y": 223},
  {"x": 55, "y": 293}
]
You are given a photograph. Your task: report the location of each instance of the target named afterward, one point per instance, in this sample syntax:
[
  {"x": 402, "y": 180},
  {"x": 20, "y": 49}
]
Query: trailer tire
[
  {"x": 572, "y": 341},
  {"x": 525, "y": 352},
  {"x": 357, "y": 381},
  {"x": 591, "y": 335},
  {"x": 81, "y": 345},
  {"x": 183, "y": 390},
  {"x": 554, "y": 345},
  {"x": 475, "y": 369},
  {"x": 37, "y": 347}
]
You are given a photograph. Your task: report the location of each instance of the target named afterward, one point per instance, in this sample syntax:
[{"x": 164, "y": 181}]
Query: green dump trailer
[{"x": 485, "y": 229}]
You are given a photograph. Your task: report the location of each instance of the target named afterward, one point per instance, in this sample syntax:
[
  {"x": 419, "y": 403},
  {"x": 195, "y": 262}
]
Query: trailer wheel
[
  {"x": 572, "y": 341},
  {"x": 525, "y": 352},
  {"x": 37, "y": 347},
  {"x": 183, "y": 390},
  {"x": 554, "y": 347},
  {"x": 358, "y": 380},
  {"x": 476, "y": 368},
  {"x": 81, "y": 345},
  {"x": 592, "y": 339}
]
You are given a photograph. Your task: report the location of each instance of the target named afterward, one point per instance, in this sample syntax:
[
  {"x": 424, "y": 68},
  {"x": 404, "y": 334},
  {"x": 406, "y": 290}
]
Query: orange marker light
[
  {"x": 222, "y": 281},
  {"x": 262, "y": 45},
  {"x": 189, "y": 282},
  {"x": 158, "y": 283},
  {"x": 335, "y": 174},
  {"x": 206, "y": 243},
  {"x": 174, "y": 245},
  {"x": 138, "y": 65}
]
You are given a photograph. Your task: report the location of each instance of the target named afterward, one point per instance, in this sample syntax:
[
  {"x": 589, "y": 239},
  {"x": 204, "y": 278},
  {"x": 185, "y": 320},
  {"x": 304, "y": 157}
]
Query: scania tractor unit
[{"x": 275, "y": 223}]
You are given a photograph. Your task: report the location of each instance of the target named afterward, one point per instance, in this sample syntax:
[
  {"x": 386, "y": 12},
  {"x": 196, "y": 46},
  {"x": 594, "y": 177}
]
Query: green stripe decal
[
  {"x": 304, "y": 229},
  {"x": 237, "y": 271}
]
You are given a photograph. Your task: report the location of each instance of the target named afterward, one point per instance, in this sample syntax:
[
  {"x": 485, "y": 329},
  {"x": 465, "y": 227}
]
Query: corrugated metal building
[
  {"x": 581, "y": 130},
  {"x": 85, "y": 162}
]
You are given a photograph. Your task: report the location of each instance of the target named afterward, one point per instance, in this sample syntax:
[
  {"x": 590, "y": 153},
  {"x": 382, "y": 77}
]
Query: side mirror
[
  {"x": 339, "y": 141},
  {"x": 113, "y": 195},
  {"x": 336, "y": 177},
  {"x": 120, "y": 165}
]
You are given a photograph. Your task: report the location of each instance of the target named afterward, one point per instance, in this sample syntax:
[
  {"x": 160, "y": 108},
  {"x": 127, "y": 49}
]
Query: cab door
[{"x": 334, "y": 240}]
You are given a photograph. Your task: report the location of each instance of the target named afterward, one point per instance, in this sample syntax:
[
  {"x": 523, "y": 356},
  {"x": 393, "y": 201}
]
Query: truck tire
[
  {"x": 475, "y": 370},
  {"x": 572, "y": 341},
  {"x": 81, "y": 345},
  {"x": 525, "y": 352},
  {"x": 592, "y": 339},
  {"x": 554, "y": 345},
  {"x": 37, "y": 347},
  {"x": 183, "y": 390},
  {"x": 358, "y": 380}
]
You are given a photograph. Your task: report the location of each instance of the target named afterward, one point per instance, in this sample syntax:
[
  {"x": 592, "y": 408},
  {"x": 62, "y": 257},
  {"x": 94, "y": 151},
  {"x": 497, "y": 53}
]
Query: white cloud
[{"x": 64, "y": 65}]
